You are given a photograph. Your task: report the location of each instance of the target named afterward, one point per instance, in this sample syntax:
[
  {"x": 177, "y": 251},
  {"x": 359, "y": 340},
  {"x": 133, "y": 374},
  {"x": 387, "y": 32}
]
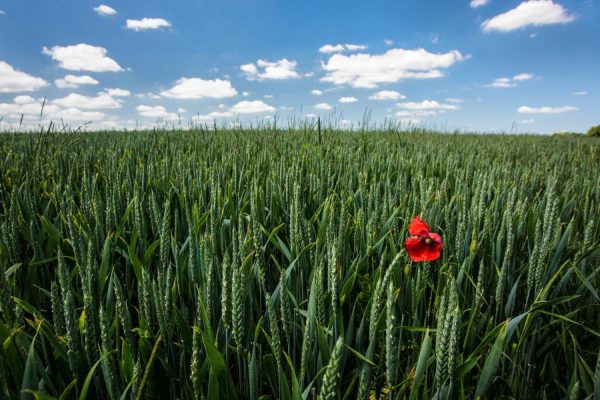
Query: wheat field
[{"x": 270, "y": 264}]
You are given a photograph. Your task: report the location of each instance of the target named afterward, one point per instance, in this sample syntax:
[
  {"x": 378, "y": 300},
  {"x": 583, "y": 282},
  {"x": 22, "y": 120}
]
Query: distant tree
[{"x": 594, "y": 131}]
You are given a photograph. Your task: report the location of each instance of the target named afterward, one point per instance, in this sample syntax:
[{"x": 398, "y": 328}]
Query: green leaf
[
  {"x": 488, "y": 373},
  {"x": 88, "y": 379},
  {"x": 217, "y": 365},
  {"x": 421, "y": 366}
]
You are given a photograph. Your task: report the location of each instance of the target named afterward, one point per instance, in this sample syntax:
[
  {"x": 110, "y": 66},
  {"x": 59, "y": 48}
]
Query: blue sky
[{"x": 472, "y": 65}]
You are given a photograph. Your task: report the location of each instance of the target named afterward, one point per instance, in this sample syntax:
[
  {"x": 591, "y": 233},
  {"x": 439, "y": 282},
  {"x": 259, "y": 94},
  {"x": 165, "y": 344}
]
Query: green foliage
[
  {"x": 594, "y": 131},
  {"x": 269, "y": 264}
]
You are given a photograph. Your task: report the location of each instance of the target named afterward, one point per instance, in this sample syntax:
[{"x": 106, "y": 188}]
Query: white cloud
[
  {"x": 416, "y": 113},
  {"x": 263, "y": 69},
  {"x": 181, "y": 110},
  {"x": 23, "y": 99},
  {"x": 345, "y": 123},
  {"x": 242, "y": 107},
  {"x": 103, "y": 9},
  {"x": 83, "y": 57},
  {"x": 580, "y": 93},
  {"x": 316, "y": 92},
  {"x": 338, "y": 48},
  {"x": 73, "y": 114},
  {"x": 146, "y": 24},
  {"x": 245, "y": 93},
  {"x": 322, "y": 106},
  {"x": 116, "y": 92},
  {"x": 197, "y": 88},
  {"x": 523, "y": 77},
  {"x": 387, "y": 95},
  {"x": 268, "y": 96},
  {"x": 250, "y": 107},
  {"x": 388, "y": 42},
  {"x": 148, "y": 95},
  {"x": 531, "y": 12},
  {"x": 370, "y": 70},
  {"x": 286, "y": 108},
  {"x": 102, "y": 101},
  {"x": 212, "y": 116},
  {"x": 454, "y": 100},
  {"x": 545, "y": 110},
  {"x": 30, "y": 109},
  {"x": 478, "y": 3},
  {"x": 502, "y": 83},
  {"x": 427, "y": 105},
  {"x": 410, "y": 121},
  {"x": 527, "y": 121},
  {"x": 311, "y": 116},
  {"x": 350, "y": 99},
  {"x": 12, "y": 80},
  {"x": 155, "y": 112},
  {"x": 73, "y": 81}
]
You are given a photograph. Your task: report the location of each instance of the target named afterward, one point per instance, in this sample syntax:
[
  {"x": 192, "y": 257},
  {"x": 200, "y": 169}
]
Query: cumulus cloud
[
  {"x": 415, "y": 113},
  {"x": 427, "y": 105},
  {"x": 503, "y": 83},
  {"x": 102, "y": 101},
  {"x": 322, "y": 106},
  {"x": 197, "y": 88},
  {"x": 580, "y": 93},
  {"x": 387, "y": 95},
  {"x": 478, "y": 3},
  {"x": 242, "y": 107},
  {"x": 531, "y": 12},
  {"x": 424, "y": 108},
  {"x": 145, "y": 24},
  {"x": 29, "y": 109},
  {"x": 388, "y": 42},
  {"x": 545, "y": 110},
  {"x": 103, "y": 9},
  {"x": 116, "y": 92},
  {"x": 155, "y": 112},
  {"x": 149, "y": 95},
  {"x": 523, "y": 77},
  {"x": 13, "y": 80},
  {"x": 370, "y": 70},
  {"x": 264, "y": 69},
  {"x": 316, "y": 92},
  {"x": 349, "y": 99},
  {"x": 212, "y": 116},
  {"x": 338, "y": 48},
  {"x": 73, "y": 81},
  {"x": 82, "y": 57},
  {"x": 251, "y": 107}
]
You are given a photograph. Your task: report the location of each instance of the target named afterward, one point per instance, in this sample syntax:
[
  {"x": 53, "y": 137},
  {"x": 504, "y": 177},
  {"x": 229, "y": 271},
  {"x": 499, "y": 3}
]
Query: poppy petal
[
  {"x": 432, "y": 251},
  {"x": 435, "y": 237},
  {"x": 416, "y": 248},
  {"x": 417, "y": 227}
]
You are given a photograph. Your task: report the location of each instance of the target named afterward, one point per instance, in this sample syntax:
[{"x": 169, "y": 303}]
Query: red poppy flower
[{"x": 422, "y": 244}]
